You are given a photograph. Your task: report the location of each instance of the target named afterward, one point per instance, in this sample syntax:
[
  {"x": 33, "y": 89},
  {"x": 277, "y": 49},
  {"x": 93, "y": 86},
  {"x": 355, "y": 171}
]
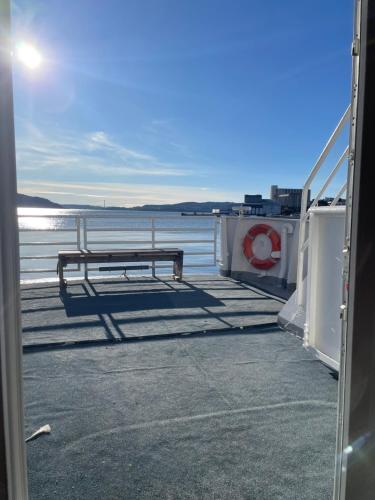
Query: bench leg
[
  {"x": 60, "y": 268},
  {"x": 178, "y": 265}
]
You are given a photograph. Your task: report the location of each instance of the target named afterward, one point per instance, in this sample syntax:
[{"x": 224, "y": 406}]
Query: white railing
[
  {"x": 197, "y": 236},
  {"x": 303, "y": 237}
]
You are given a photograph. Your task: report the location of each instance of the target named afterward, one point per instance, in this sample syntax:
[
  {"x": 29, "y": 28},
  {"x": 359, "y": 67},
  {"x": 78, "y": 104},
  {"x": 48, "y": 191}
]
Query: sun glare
[{"x": 28, "y": 55}]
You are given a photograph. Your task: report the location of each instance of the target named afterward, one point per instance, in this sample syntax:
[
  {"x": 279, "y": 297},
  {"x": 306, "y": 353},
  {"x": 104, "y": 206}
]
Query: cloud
[
  {"x": 94, "y": 152},
  {"x": 125, "y": 195},
  {"x": 101, "y": 140}
]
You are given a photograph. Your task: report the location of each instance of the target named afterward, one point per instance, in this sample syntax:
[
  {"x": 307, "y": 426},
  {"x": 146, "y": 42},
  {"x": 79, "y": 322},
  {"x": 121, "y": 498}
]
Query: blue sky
[{"x": 156, "y": 101}]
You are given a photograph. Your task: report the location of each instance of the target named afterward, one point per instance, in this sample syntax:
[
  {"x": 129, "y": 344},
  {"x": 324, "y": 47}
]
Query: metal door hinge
[
  {"x": 344, "y": 312},
  {"x": 355, "y": 47}
]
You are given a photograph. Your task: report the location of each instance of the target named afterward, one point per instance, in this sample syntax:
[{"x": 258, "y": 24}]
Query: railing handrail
[
  {"x": 117, "y": 216},
  {"x": 154, "y": 230},
  {"x": 302, "y": 240},
  {"x": 330, "y": 177},
  {"x": 341, "y": 191},
  {"x": 323, "y": 155}
]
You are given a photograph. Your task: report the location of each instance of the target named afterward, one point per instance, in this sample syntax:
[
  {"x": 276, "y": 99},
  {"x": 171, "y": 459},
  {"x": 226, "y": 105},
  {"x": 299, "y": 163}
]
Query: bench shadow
[
  {"x": 88, "y": 313},
  {"x": 114, "y": 303}
]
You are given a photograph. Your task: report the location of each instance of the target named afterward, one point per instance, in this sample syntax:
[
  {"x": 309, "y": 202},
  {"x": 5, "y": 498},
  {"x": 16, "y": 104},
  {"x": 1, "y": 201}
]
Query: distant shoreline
[{"x": 25, "y": 201}]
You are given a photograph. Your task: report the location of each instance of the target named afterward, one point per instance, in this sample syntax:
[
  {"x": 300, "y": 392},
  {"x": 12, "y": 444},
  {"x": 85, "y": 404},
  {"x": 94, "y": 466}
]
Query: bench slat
[
  {"x": 85, "y": 253},
  {"x": 84, "y": 256}
]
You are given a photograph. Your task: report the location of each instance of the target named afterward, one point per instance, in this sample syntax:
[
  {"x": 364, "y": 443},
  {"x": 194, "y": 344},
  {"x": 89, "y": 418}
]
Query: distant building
[
  {"x": 289, "y": 199},
  {"x": 253, "y": 198},
  {"x": 255, "y": 204}
]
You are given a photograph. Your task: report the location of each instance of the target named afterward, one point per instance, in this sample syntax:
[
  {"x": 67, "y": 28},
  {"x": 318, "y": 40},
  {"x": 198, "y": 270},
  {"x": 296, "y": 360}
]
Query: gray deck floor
[
  {"x": 117, "y": 309},
  {"x": 221, "y": 414}
]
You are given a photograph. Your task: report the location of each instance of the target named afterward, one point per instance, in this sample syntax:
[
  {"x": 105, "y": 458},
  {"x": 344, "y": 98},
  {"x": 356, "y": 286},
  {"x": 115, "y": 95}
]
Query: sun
[{"x": 28, "y": 55}]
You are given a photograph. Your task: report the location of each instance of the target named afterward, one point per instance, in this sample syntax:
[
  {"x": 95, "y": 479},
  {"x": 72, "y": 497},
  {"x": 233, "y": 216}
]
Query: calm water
[{"x": 45, "y": 231}]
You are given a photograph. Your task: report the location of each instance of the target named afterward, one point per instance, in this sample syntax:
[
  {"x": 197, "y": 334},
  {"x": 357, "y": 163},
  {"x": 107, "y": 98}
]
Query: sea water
[{"x": 43, "y": 232}]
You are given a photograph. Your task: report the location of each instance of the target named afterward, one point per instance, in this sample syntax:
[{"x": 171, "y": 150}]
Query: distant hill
[
  {"x": 85, "y": 207},
  {"x": 23, "y": 200},
  {"x": 189, "y": 206},
  {"x": 186, "y": 206}
]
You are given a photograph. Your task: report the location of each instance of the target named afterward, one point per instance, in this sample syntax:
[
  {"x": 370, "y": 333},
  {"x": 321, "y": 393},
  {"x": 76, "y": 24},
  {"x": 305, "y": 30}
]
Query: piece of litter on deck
[{"x": 46, "y": 429}]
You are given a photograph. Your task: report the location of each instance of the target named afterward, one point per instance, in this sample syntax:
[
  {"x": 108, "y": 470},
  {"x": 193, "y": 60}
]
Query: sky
[{"x": 164, "y": 101}]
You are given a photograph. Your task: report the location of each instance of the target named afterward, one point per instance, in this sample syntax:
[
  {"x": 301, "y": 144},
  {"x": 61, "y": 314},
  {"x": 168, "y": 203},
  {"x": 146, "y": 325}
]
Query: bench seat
[{"x": 83, "y": 256}]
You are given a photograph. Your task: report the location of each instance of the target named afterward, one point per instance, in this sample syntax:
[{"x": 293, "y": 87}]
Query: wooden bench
[{"x": 66, "y": 257}]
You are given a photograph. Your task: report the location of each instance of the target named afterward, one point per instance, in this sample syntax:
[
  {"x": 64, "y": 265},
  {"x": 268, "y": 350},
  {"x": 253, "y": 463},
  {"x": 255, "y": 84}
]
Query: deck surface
[
  {"x": 118, "y": 309},
  {"x": 221, "y": 413}
]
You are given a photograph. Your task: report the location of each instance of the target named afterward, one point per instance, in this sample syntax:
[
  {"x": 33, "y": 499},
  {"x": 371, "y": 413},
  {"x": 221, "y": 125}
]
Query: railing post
[
  {"x": 78, "y": 230},
  {"x": 301, "y": 249},
  {"x": 85, "y": 244},
  {"x": 153, "y": 245},
  {"x": 215, "y": 240}
]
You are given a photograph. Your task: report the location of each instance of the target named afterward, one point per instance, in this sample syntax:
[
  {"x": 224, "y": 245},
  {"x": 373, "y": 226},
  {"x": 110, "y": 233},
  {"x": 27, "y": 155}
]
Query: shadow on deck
[
  {"x": 177, "y": 391},
  {"x": 95, "y": 311}
]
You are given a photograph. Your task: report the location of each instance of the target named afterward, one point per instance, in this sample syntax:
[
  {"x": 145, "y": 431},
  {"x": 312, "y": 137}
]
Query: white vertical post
[
  {"x": 78, "y": 232},
  {"x": 215, "y": 241},
  {"x": 84, "y": 219},
  {"x": 12, "y": 449},
  {"x": 344, "y": 414},
  {"x": 301, "y": 251},
  {"x": 153, "y": 244},
  {"x": 224, "y": 253}
]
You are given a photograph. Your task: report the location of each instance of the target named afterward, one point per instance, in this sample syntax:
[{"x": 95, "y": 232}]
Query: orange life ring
[{"x": 248, "y": 246}]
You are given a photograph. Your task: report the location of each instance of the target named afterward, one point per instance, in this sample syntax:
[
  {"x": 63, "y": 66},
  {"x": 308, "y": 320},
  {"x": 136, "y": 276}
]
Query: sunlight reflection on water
[{"x": 41, "y": 223}]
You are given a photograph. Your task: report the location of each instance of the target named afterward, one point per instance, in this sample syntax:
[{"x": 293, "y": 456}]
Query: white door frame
[
  {"x": 355, "y": 457},
  {"x": 12, "y": 428}
]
